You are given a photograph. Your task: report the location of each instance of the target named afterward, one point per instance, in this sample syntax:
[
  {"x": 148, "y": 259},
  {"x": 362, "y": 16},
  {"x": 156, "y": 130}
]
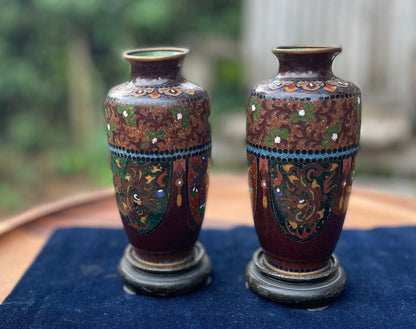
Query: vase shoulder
[
  {"x": 304, "y": 115},
  {"x": 137, "y": 93},
  {"x": 305, "y": 87}
]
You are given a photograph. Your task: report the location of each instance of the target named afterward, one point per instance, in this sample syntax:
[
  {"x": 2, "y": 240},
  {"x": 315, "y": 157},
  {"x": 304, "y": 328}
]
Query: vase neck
[
  {"x": 306, "y": 62},
  {"x": 156, "y": 66}
]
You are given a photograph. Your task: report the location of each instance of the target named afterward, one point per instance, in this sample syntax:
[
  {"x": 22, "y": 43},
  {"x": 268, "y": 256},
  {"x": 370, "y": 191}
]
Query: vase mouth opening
[
  {"x": 307, "y": 49},
  {"x": 154, "y": 54}
]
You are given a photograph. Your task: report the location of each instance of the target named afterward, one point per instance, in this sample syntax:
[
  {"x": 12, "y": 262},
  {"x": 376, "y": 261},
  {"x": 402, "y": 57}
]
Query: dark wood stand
[
  {"x": 313, "y": 291},
  {"x": 165, "y": 279}
]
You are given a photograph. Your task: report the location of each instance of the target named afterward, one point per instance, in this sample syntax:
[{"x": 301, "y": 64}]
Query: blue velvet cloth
[{"x": 74, "y": 284}]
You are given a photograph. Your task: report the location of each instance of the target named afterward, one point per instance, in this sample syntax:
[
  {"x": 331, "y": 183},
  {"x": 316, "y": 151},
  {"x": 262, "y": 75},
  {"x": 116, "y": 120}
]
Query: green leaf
[
  {"x": 130, "y": 121},
  {"x": 185, "y": 121},
  {"x": 268, "y": 142},
  {"x": 273, "y": 132},
  {"x": 175, "y": 110},
  {"x": 308, "y": 106},
  {"x": 160, "y": 133},
  {"x": 337, "y": 127},
  {"x": 284, "y": 133},
  {"x": 326, "y": 142}
]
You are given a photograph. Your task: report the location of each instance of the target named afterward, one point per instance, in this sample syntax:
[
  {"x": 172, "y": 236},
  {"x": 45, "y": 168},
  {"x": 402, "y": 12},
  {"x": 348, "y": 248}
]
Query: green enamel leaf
[
  {"x": 175, "y": 110},
  {"x": 255, "y": 102},
  {"x": 160, "y": 133},
  {"x": 256, "y": 113},
  {"x": 308, "y": 106},
  {"x": 337, "y": 127},
  {"x": 270, "y": 139},
  {"x": 284, "y": 133},
  {"x": 130, "y": 120},
  {"x": 185, "y": 121},
  {"x": 111, "y": 130}
]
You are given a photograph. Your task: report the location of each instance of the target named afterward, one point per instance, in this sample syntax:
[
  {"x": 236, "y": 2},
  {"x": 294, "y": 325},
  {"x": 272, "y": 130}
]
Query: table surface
[{"x": 23, "y": 236}]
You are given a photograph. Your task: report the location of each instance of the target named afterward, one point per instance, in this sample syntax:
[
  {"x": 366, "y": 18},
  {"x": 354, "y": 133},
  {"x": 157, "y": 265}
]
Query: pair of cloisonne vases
[{"x": 303, "y": 129}]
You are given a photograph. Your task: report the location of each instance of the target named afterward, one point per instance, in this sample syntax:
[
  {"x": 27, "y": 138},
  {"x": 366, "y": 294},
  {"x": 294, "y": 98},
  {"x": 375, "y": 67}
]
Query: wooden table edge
[{"x": 38, "y": 223}]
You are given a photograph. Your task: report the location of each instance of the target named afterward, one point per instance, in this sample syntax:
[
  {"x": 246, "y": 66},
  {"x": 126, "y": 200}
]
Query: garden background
[{"x": 58, "y": 59}]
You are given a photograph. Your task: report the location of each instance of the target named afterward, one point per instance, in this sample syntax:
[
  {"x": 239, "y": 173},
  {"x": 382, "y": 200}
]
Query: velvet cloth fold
[{"x": 74, "y": 283}]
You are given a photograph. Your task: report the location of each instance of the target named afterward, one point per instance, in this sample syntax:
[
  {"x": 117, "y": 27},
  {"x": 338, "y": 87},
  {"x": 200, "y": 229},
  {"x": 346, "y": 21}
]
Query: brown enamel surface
[
  {"x": 304, "y": 124},
  {"x": 157, "y": 117}
]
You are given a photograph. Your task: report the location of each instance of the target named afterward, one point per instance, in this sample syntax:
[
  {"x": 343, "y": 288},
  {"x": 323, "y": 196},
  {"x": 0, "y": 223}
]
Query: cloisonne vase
[
  {"x": 160, "y": 145},
  {"x": 303, "y": 130}
]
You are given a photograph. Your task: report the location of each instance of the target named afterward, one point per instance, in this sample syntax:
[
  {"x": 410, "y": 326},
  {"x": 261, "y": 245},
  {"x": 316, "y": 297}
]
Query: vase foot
[
  {"x": 165, "y": 280},
  {"x": 313, "y": 291}
]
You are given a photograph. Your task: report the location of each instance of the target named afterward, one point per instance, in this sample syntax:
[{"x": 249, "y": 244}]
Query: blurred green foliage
[
  {"x": 48, "y": 47},
  {"x": 229, "y": 85}
]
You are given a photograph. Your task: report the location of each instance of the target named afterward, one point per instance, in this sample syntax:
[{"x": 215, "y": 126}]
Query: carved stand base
[
  {"x": 164, "y": 280},
  {"x": 313, "y": 291}
]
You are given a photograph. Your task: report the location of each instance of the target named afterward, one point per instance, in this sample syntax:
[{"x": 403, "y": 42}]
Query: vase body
[
  {"x": 160, "y": 144},
  {"x": 303, "y": 130}
]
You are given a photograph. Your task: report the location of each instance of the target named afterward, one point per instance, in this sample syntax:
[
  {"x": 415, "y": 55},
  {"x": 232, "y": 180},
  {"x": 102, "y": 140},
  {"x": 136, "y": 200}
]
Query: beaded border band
[
  {"x": 301, "y": 155},
  {"x": 157, "y": 156}
]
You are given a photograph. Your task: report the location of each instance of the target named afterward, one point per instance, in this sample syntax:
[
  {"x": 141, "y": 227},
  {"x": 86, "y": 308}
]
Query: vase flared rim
[
  {"x": 154, "y": 54},
  {"x": 306, "y": 49}
]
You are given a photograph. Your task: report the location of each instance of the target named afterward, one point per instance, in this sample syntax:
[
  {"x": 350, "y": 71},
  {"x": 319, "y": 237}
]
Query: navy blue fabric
[{"x": 74, "y": 284}]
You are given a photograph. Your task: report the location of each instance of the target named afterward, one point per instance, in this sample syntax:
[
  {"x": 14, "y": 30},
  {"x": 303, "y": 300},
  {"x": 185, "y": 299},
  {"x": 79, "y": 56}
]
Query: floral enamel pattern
[
  {"x": 198, "y": 187},
  {"x": 303, "y": 124},
  {"x": 255, "y": 106},
  {"x": 152, "y": 137},
  {"x": 181, "y": 114},
  {"x": 167, "y": 127},
  {"x": 303, "y": 196},
  {"x": 142, "y": 191},
  {"x": 304, "y": 114},
  {"x": 110, "y": 130},
  {"x": 128, "y": 113},
  {"x": 331, "y": 135},
  {"x": 276, "y": 136},
  {"x": 130, "y": 89},
  {"x": 331, "y": 85}
]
